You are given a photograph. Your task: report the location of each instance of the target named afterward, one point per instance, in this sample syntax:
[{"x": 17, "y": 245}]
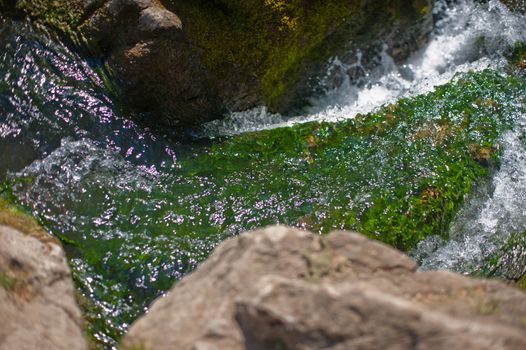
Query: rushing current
[
  {"x": 136, "y": 214},
  {"x": 468, "y": 37}
]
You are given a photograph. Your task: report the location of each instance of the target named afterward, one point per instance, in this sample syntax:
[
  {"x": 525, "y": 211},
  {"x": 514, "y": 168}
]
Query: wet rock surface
[
  {"x": 37, "y": 298},
  {"x": 192, "y": 61},
  {"x": 516, "y": 5},
  {"x": 282, "y": 288}
]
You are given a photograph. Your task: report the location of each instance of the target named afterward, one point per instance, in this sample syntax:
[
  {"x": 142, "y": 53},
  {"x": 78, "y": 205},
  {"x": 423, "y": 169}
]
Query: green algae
[
  {"x": 507, "y": 262},
  {"x": 397, "y": 175},
  {"x": 63, "y": 16}
]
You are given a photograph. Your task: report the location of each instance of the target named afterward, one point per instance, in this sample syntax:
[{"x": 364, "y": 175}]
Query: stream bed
[{"x": 428, "y": 156}]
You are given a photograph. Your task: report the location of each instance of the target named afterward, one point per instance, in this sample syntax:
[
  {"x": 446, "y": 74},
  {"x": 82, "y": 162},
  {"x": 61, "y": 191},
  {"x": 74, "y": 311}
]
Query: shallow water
[
  {"x": 140, "y": 210},
  {"x": 491, "y": 214}
]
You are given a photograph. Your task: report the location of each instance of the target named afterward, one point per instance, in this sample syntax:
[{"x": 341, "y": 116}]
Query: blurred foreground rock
[
  {"x": 282, "y": 288},
  {"x": 38, "y": 310}
]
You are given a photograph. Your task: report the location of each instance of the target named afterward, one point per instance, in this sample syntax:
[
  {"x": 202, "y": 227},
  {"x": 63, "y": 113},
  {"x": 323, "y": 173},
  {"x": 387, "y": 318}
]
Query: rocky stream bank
[
  {"x": 187, "y": 62},
  {"x": 276, "y": 288},
  {"x": 134, "y": 212}
]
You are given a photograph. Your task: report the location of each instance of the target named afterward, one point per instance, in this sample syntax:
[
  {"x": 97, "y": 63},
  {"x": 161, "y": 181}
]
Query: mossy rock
[
  {"x": 63, "y": 16},
  {"x": 191, "y": 61},
  {"x": 283, "y": 42},
  {"x": 14, "y": 216},
  {"x": 507, "y": 262}
]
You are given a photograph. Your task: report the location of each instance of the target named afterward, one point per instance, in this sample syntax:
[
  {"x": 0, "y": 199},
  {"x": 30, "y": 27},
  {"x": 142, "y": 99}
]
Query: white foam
[
  {"x": 496, "y": 210},
  {"x": 470, "y": 36}
]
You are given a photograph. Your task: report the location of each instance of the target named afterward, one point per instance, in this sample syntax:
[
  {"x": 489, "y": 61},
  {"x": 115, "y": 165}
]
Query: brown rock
[
  {"x": 37, "y": 298},
  {"x": 189, "y": 61},
  {"x": 282, "y": 288}
]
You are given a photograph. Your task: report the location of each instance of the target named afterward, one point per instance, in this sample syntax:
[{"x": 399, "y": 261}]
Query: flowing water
[
  {"x": 491, "y": 214},
  {"x": 467, "y": 37},
  {"x": 137, "y": 209}
]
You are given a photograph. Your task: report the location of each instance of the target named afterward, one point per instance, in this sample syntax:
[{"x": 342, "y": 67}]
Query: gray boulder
[
  {"x": 38, "y": 310},
  {"x": 282, "y": 288}
]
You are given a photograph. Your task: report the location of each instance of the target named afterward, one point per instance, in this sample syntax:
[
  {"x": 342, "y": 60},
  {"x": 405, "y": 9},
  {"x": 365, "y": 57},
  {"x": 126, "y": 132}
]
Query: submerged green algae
[
  {"x": 507, "y": 262},
  {"x": 398, "y": 175}
]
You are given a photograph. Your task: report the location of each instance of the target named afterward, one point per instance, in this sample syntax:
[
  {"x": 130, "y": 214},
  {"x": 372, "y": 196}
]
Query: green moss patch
[
  {"x": 277, "y": 42},
  {"x": 14, "y": 216},
  {"x": 6, "y": 282},
  {"x": 397, "y": 175}
]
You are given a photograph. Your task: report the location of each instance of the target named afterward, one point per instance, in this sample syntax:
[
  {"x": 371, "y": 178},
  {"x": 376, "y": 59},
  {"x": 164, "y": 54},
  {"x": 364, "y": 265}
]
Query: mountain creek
[{"x": 427, "y": 154}]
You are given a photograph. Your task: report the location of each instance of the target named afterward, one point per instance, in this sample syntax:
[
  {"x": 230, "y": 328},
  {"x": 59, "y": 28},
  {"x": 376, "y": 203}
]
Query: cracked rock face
[
  {"x": 37, "y": 303},
  {"x": 282, "y": 288}
]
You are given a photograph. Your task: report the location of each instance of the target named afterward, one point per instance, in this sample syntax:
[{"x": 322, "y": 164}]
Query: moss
[
  {"x": 6, "y": 282},
  {"x": 517, "y": 55},
  {"x": 63, "y": 16},
  {"x": 278, "y": 41},
  {"x": 432, "y": 152},
  {"x": 521, "y": 283},
  {"x": 14, "y": 216}
]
